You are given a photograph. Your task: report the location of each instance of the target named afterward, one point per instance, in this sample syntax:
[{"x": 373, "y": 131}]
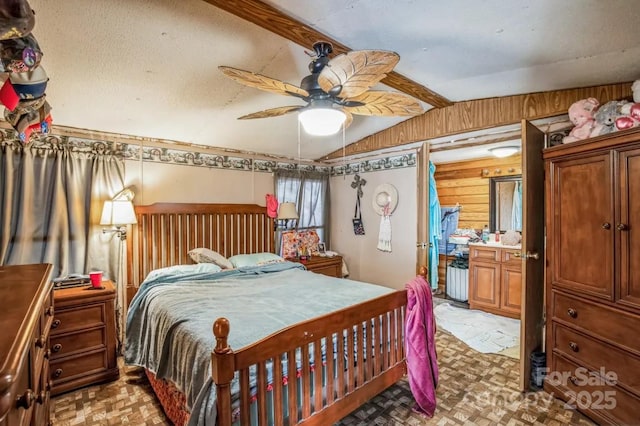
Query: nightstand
[
  {"x": 331, "y": 266},
  {"x": 83, "y": 337}
]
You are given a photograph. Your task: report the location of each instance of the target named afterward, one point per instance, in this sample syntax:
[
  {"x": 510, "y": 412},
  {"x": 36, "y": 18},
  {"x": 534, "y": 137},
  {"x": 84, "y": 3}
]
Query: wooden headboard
[{"x": 167, "y": 231}]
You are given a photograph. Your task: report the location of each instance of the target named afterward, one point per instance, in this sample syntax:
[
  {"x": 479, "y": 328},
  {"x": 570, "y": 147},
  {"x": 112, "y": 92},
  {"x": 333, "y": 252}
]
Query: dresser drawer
[
  {"x": 78, "y": 317},
  {"x": 73, "y": 367},
  {"x": 332, "y": 271},
  {"x": 601, "y": 397},
  {"x": 71, "y": 343},
  {"x": 484, "y": 254},
  {"x": 602, "y": 321},
  {"x": 595, "y": 355}
]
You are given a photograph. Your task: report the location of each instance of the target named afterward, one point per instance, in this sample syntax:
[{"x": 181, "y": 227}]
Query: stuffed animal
[
  {"x": 581, "y": 114},
  {"x": 635, "y": 88},
  {"x": 630, "y": 116},
  {"x": 606, "y": 117}
]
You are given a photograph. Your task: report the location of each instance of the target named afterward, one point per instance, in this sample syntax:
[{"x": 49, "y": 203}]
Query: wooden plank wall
[{"x": 467, "y": 183}]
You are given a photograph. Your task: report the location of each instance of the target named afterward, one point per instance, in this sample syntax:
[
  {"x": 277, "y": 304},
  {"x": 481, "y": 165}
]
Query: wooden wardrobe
[{"x": 593, "y": 275}]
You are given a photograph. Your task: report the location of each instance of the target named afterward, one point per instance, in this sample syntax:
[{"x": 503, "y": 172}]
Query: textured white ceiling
[{"x": 149, "y": 67}]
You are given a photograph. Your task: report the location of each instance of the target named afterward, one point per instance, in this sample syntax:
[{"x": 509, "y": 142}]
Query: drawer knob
[
  {"x": 49, "y": 311},
  {"x": 622, "y": 227},
  {"x": 572, "y": 313},
  {"x": 41, "y": 397},
  {"x": 573, "y": 380},
  {"x": 57, "y": 347},
  {"x": 606, "y": 225},
  {"x": 574, "y": 346},
  {"x": 57, "y": 373},
  {"x": 55, "y": 324},
  {"x": 26, "y": 400},
  {"x": 41, "y": 341}
]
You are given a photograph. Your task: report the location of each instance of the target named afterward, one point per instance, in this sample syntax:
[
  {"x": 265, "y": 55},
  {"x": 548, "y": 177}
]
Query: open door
[
  {"x": 422, "y": 246},
  {"x": 531, "y": 317}
]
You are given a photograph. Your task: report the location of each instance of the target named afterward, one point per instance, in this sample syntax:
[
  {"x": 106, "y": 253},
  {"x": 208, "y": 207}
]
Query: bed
[{"x": 253, "y": 382}]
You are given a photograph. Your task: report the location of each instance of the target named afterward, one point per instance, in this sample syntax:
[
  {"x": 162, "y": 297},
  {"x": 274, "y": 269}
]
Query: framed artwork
[{"x": 321, "y": 248}]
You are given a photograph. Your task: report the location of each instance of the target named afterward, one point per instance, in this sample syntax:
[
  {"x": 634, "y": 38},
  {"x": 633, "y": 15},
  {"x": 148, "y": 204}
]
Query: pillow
[
  {"x": 255, "y": 259},
  {"x": 179, "y": 270},
  {"x": 205, "y": 255}
]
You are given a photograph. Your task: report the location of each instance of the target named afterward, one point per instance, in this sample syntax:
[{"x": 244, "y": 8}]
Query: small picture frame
[{"x": 322, "y": 248}]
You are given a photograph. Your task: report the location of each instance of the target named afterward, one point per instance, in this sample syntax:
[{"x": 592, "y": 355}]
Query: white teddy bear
[{"x": 635, "y": 88}]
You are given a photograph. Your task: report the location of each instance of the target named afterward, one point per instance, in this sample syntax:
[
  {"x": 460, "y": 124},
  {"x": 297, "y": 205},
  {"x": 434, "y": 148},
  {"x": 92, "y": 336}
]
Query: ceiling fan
[{"x": 335, "y": 89}]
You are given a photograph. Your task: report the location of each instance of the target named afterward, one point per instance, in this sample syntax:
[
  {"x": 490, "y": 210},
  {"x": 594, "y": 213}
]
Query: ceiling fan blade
[
  {"x": 353, "y": 73},
  {"x": 385, "y": 104},
  {"x": 273, "y": 112},
  {"x": 349, "y": 118},
  {"x": 263, "y": 82}
]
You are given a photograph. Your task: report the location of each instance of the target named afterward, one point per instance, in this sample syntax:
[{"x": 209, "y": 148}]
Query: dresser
[
  {"x": 495, "y": 279},
  {"x": 593, "y": 275},
  {"x": 331, "y": 266},
  {"x": 26, "y": 317},
  {"x": 83, "y": 337}
]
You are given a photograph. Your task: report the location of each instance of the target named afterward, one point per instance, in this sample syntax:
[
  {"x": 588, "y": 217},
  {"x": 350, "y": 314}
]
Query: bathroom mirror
[{"x": 505, "y": 203}]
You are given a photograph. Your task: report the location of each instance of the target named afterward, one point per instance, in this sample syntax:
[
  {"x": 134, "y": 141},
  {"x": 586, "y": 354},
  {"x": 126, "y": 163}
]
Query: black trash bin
[{"x": 538, "y": 370}]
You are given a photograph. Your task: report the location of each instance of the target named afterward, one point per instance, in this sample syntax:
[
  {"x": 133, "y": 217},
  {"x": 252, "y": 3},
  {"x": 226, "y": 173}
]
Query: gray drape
[
  {"x": 309, "y": 190},
  {"x": 50, "y": 207}
]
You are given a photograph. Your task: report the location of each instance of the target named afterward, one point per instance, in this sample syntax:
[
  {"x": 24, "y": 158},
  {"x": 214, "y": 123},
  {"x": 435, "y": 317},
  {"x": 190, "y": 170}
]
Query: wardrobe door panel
[{"x": 628, "y": 227}]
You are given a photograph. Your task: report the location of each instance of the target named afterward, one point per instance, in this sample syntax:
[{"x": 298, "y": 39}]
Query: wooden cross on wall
[{"x": 358, "y": 183}]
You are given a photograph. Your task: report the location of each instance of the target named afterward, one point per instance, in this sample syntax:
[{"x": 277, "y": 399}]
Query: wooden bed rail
[{"x": 372, "y": 331}]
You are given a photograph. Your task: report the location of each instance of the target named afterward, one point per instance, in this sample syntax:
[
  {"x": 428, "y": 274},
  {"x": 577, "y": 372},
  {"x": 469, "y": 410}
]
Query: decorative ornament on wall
[{"x": 384, "y": 202}]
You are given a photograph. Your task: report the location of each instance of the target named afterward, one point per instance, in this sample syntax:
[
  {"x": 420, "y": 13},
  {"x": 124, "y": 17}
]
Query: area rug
[{"x": 482, "y": 331}]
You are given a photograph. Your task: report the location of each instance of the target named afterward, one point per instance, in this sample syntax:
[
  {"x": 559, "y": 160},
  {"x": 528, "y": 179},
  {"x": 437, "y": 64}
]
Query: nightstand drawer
[
  {"x": 76, "y": 318},
  {"x": 77, "y": 366},
  {"x": 71, "y": 343}
]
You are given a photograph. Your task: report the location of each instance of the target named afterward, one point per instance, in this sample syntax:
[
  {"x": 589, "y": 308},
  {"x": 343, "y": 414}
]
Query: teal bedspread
[{"x": 170, "y": 320}]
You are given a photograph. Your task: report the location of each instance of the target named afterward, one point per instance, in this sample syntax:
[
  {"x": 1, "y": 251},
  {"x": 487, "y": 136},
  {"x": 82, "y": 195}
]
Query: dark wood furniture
[
  {"x": 25, "y": 321},
  {"x": 593, "y": 275},
  {"x": 331, "y": 266},
  {"x": 163, "y": 236},
  {"x": 83, "y": 337},
  {"x": 495, "y": 279}
]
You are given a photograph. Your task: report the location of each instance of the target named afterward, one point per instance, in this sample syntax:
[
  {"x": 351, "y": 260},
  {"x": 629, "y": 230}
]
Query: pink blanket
[{"x": 420, "y": 346}]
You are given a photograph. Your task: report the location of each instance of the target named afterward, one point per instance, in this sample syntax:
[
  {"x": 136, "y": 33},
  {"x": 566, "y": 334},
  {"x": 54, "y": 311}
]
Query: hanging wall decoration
[
  {"x": 357, "y": 184},
  {"x": 384, "y": 202}
]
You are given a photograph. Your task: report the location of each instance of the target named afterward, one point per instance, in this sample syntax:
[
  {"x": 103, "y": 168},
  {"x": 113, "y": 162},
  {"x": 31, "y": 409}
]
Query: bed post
[
  {"x": 424, "y": 272},
  {"x": 222, "y": 370}
]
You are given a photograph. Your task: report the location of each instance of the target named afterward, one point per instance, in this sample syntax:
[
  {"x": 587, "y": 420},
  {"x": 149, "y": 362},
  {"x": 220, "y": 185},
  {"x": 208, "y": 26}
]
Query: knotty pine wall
[{"x": 467, "y": 183}]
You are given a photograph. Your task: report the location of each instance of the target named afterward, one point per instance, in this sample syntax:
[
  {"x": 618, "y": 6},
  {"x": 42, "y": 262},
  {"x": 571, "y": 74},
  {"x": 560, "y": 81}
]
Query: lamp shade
[
  {"x": 287, "y": 211},
  {"x": 321, "y": 121},
  {"x": 118, "y": 212},
  {"x": 504, "y": 151}
]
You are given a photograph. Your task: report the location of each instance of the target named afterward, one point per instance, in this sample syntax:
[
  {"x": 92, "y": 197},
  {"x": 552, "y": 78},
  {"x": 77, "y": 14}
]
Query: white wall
[
  {"x": 365, "y": 261},
  {"x": 166, "y": 182}
]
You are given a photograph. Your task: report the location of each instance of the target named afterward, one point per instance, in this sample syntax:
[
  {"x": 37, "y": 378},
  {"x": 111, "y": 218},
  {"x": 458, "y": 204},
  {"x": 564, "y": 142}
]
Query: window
[{"x": 309, "y": 190}]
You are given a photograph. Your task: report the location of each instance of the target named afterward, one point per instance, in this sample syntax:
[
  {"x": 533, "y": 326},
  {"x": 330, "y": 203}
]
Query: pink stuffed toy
[
  {"x": 631, "y": 117},
  {"x": 581, "y": 114}
]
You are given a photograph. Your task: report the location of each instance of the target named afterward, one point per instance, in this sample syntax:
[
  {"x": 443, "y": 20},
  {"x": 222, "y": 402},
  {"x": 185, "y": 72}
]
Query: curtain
[
  {"x": 435, "y": 227},
  {"x": 309, "y": 190},
  {"x": 50, "y": 204}
]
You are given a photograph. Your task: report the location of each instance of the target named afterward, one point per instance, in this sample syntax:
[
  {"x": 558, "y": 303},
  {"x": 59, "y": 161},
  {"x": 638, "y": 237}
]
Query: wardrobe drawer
[
  {"x": 602, "y": 321},
  {"x": 597, "y": 355},
  {"x": 601, "y": 397},
  {"x": 78, "y": 318},
  {"x": 484, "y": 254}
]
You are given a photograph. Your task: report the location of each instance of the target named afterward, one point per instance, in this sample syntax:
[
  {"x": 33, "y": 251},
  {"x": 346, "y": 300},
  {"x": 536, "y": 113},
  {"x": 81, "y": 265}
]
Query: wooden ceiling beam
[
  {"x": 277, "y": 22},
  {"x": 480, "y": 114}
]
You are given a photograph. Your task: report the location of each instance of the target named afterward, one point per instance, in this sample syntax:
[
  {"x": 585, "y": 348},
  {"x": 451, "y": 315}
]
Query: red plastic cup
[{"x": 96, "y": 279}]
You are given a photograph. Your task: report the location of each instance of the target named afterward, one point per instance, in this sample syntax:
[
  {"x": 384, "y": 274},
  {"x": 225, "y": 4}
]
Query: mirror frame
[{"x": 492, "y": 197}]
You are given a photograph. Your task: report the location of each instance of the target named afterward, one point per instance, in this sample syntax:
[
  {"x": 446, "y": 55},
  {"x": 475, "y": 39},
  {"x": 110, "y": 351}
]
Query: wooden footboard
[{"x": 371, "y": 331}]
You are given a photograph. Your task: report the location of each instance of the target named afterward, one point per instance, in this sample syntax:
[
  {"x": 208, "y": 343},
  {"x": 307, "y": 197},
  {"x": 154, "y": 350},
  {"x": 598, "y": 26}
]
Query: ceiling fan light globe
[{"x": 321, "y": 121}]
